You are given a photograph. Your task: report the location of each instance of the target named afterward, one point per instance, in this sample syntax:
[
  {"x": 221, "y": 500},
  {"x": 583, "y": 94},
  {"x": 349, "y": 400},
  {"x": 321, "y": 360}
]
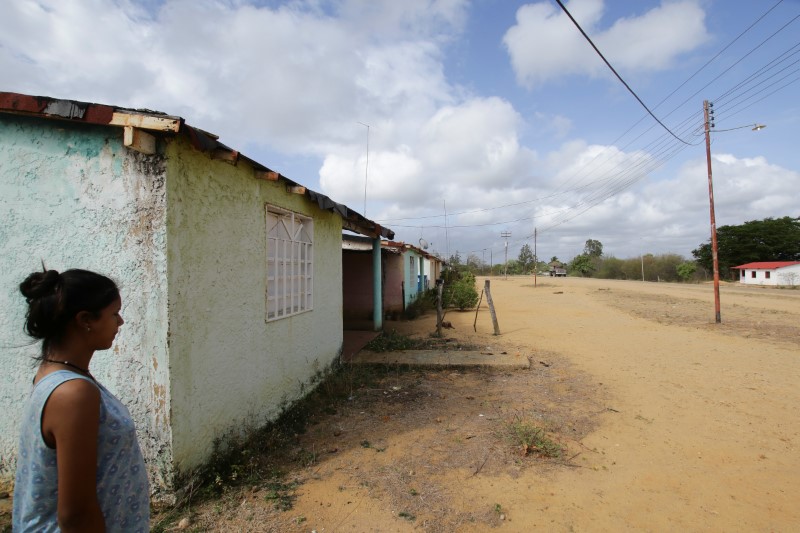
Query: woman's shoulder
[
  {"x": 64, "y": 386},
  {"x": 54, "y": 378}
]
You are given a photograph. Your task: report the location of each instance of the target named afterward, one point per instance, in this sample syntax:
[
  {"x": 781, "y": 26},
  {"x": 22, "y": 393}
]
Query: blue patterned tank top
[{"x": 122, "y": 488}]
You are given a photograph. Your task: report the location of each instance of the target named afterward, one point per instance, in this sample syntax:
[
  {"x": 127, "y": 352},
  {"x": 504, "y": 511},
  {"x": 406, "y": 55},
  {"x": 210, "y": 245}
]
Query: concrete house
[
  {"x": 770, "y": 273},
  {"x": 231, "y": 274},
  {"x": 406, "y": 271}
]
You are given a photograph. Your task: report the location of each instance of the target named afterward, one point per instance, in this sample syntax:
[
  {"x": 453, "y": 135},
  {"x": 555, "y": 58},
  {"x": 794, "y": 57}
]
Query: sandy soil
[{"x": 668, "y": 422}]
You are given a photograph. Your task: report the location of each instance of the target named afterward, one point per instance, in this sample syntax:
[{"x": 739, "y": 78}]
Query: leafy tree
[
  {"x": 455, "y": 261},
  {"x": 593, "y": 248},
  {"x": 513, "y": 267},
  {"x": 582, "y": 264},
  {"x": 525, "y": 259},
  {"x": 554, "y": 259},
  {"x": 686, "y": 270},
  {"x": 771, "y": 239},
  {"x": 474, "y": 263}
]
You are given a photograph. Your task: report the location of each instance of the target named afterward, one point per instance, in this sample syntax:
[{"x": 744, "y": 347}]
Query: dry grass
[{"x": 415, "y": 432}]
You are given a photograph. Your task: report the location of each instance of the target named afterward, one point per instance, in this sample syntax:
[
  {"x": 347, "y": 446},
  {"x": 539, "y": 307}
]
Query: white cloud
[
  {"x": 298, "y": 78},
  {"x": 545, "y": 45}
]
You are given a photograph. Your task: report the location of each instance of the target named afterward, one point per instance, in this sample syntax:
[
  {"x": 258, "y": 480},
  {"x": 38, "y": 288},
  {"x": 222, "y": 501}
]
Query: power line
[{"x": 615, "y": 72}]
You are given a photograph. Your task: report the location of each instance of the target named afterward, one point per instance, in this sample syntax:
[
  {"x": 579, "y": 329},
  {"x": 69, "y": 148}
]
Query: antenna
[{"x": 423, "y": 244}]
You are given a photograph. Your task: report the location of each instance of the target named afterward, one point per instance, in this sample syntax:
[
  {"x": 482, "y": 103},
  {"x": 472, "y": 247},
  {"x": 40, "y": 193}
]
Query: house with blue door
[{"x": 407, "y": 271}]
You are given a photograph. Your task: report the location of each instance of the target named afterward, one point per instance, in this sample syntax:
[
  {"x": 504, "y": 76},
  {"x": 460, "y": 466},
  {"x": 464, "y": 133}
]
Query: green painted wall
[{"x": 230, "y": 368}]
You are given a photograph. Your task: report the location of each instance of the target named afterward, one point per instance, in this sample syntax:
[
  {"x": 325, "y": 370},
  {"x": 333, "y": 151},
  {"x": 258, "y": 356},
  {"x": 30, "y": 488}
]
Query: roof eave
[{"x": 154, "y": 121}]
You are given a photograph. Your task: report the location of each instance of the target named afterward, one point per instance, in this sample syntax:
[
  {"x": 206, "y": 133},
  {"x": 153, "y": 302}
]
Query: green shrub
[{"x": 463, "y": 295}]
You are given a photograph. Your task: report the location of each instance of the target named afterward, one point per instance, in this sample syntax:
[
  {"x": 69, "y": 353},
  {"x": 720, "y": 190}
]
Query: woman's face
[{"x": 104, "y": 328}]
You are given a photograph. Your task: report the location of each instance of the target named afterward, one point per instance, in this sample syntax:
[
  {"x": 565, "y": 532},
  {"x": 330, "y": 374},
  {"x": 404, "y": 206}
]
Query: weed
[
  {"x": 281, "y": 494},
  {"x": 408, "y": 516},
  {"x": 532, "y": 439},
  {"x": 388, "y": 342}
]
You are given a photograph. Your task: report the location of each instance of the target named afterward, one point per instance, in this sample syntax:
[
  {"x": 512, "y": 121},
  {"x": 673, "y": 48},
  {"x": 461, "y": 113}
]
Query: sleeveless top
[{"x": 122, "y": 488}]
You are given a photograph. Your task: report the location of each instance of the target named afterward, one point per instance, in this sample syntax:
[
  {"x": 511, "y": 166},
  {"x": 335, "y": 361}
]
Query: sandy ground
[{"x": 668, "y": 421}]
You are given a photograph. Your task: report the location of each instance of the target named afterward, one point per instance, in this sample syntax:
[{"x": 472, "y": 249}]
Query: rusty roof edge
[
  {"x": 101, "y": 114},
  {"x": 73, "y": 110}
]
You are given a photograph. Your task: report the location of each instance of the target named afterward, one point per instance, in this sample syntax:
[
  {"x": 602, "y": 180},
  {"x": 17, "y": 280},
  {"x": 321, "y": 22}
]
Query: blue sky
[{"x": 497, "y": 112}]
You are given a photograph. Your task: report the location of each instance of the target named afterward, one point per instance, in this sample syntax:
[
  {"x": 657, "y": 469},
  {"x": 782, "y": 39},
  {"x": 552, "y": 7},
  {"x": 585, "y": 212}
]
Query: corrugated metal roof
[
  {"x": 162, "y": 124},
  {"x": 767, "y": 265}
]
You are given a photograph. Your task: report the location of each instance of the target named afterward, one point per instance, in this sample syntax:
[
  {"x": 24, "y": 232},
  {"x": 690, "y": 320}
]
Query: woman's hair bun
[{"x": 40, "y": 284}]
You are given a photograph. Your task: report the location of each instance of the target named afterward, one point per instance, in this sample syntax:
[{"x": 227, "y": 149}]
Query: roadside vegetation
[{"x": 770, "y": 239}]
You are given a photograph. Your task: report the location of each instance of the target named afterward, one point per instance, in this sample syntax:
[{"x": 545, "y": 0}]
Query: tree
[
  {"x": 455, "y": 261},
  {"x": 771, "y": 239},
  {"x": 686, "y": 270},
  {"x": 582, "y": 264},
  {"x": 474, "y": 263},
  {"x": 593, "y": 248},
  {"x": 525, "y": 259},
  {"x": 554, "y": 259}
]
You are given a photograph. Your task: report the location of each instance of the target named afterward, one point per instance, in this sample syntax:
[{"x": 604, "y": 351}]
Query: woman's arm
[{"x": 70, "y": 423}]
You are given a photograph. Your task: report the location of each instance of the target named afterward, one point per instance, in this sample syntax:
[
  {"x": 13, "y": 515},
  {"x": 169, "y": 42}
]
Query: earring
[{"x": 88, "y": 328}]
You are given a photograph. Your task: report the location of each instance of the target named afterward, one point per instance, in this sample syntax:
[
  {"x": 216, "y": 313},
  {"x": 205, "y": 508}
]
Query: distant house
[
  {"x": 231, "y": 274},
  {"x": 770, "y": 273}
]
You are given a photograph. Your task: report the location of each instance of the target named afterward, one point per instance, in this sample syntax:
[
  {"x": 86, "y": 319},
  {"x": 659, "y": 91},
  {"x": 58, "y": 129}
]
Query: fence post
[{"x": 491, "y": 308}]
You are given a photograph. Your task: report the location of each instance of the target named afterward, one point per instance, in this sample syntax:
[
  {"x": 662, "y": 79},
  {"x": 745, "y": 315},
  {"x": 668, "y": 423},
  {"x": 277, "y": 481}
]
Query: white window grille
[{"x": 290, "y": 263}]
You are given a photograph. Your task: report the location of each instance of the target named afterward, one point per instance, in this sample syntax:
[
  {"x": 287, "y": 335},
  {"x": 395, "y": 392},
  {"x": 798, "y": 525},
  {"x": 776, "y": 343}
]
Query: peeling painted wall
[
  {"x": 72, "y": 196},
  {"x": 411, "y": 275},
  {"x": 185, "y": 237},
  {"x": 230, "y": 368}
]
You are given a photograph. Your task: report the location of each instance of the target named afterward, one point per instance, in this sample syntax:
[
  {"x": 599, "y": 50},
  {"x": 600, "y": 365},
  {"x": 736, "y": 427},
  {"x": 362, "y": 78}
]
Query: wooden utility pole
[
  {"x": 714, "y": 255},
  {"x": 535, "y": 258}
]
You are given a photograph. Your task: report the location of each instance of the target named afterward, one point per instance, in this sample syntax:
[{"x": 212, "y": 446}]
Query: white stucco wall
[
  {"x": 72, "y": 196},
  {"x": 230, "y": 368},
  {"x": 789, "y": 275}
]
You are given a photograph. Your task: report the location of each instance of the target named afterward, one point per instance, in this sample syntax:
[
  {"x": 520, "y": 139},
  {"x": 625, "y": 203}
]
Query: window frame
[{"x": 289, "y": 263}]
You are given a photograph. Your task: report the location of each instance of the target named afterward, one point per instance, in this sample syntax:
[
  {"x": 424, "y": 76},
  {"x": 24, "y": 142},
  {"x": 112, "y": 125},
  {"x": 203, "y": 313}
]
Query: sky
[{"x": 454, "y": 122}]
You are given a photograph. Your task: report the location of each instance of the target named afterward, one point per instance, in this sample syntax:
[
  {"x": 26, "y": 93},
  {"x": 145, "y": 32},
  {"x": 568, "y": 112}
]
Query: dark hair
[{"x": 54, "y": 299}]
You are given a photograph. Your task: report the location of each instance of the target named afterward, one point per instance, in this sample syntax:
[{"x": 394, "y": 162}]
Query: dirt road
[
  {"x": 707, "y": 430},
  {"x": 669, "y": 421}
]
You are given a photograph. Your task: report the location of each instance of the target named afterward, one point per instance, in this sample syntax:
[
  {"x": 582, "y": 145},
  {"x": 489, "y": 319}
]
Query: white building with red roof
[{"x": 770, "y": 273}]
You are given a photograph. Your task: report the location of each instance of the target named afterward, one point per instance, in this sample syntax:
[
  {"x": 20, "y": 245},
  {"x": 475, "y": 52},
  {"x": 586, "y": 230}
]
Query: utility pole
[
  {"x": 535, "y": 257},
  {"x": 642, "y": 256},
  {"x": 714, "y": 256},
  {"x": 506, "y": 235}
]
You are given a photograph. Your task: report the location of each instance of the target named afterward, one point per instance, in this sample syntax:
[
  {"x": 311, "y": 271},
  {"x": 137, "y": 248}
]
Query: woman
[{"x": 79, "y": 466}]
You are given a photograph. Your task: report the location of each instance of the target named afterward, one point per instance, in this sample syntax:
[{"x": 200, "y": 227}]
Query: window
[
  {"x": 290, "y": 263},
  {"x": 753, "y": 274},
  {"x": 767, "y": 273}
]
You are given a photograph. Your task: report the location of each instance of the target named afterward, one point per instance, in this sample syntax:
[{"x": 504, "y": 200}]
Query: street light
[{"x": 714, "y": 255}]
